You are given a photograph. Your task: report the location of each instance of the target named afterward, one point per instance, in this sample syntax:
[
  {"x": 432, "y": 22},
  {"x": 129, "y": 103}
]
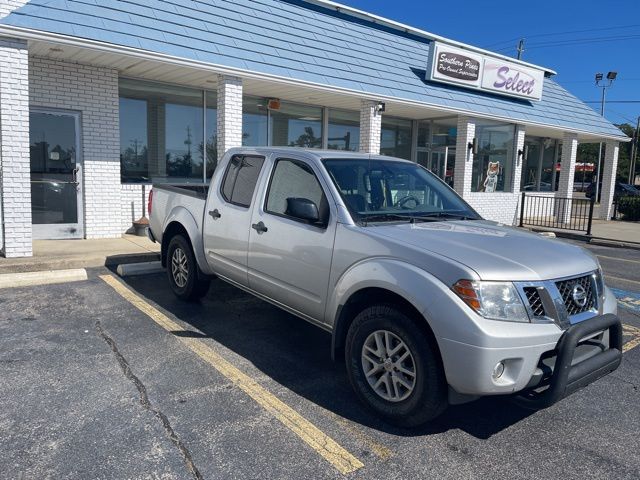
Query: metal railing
[{"x": 562, "y": 213}]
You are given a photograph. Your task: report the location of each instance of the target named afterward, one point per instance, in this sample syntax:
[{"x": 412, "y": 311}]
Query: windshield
[{"x": 387, "y": 190}]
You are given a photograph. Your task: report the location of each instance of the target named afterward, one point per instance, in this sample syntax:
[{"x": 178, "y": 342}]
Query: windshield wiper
[
  {"x": 457, "y": 216},
  {"x": 381, "y": 217}
]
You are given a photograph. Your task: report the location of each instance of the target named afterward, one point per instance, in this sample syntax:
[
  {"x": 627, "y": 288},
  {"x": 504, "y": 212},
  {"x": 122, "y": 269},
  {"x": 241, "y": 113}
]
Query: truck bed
[{"x": 166, "y": 197}]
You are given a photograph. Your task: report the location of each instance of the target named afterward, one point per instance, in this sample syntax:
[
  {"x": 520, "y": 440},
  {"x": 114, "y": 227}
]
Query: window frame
[
  {"x": 226, "y": 173},
  {"x": 320, "y": 226},
  {"x": 204, "y": 92}
]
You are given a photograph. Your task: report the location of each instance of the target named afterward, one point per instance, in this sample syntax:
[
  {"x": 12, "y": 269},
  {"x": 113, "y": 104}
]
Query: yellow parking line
[
  {"x": 635, "y": 341},
  {"x": 324, "y": 445}
]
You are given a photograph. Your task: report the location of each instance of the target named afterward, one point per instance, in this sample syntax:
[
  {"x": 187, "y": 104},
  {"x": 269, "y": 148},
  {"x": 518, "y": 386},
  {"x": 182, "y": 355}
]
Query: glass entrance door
[
  {"x": 56, "y": 174},
  {"x": 442, "y": 162}
]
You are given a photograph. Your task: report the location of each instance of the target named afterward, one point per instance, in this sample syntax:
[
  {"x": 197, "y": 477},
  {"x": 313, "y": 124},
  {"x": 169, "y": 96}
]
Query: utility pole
[
  {"x": 520, "y": 48},
  {"x": 634, "y": 153}
]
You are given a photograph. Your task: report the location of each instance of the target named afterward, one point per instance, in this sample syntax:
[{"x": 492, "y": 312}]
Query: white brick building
[{"x": 98, "y": 102}]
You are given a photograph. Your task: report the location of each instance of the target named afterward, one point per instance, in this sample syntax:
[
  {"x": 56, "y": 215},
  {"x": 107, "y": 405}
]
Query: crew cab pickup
[{"x": 427, "y": 303}]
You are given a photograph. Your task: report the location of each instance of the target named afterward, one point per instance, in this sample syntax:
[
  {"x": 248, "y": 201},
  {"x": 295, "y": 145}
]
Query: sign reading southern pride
[{"x": 461, "y": 67}]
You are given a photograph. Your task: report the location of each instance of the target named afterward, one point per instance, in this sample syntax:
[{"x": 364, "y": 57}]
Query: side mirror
[{"x": 303, "y": 209}]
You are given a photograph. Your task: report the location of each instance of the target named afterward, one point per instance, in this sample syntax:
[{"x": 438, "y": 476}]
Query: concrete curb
[
  {"x": 27, "y": 279},
  {"x": 84, "y": 261},
  {"x": 143, "y": 268},
  {"x": 605, "y": 242}
]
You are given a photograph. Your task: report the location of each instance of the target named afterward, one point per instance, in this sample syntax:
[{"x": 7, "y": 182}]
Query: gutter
[{"x": 55, "y": 38}]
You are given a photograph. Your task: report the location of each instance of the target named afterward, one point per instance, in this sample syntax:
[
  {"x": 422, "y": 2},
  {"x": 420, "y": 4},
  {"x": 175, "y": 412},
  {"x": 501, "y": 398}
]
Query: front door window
[{"x": 55, "y": 175}]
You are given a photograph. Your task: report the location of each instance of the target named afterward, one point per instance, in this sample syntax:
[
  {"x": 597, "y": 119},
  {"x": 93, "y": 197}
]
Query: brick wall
[
  {"x": 15, "y": 186},
  {"x": 93, "y": 91},
  {"x": 131, "y": 205},
  {"x": 7, "y": 6}
]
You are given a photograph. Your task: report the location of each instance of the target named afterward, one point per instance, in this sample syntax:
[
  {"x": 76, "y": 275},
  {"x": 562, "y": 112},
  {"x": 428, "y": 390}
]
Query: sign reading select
[{"x": 512, "y": 79}]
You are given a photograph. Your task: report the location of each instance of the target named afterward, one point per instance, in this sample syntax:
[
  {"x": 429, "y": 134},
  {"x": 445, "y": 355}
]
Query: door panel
[
  {"x": 56, "y": 194},
  {"x": 228, "y": 218},
  {"x": 290, "y": 262}
]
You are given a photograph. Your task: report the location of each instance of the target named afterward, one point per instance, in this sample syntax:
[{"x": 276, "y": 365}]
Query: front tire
[
  {"x": 393, "y": 367},
  {"x": 182, "y": 270}
]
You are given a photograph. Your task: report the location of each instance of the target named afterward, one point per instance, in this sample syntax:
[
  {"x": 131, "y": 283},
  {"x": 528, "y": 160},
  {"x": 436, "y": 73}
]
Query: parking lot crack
[{"x": 146, "y": 403}]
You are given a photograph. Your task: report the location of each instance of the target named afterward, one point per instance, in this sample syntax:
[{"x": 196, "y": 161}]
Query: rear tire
[
  {"x": 394, "y": 368},
  {"x": 182, "y": 270}
]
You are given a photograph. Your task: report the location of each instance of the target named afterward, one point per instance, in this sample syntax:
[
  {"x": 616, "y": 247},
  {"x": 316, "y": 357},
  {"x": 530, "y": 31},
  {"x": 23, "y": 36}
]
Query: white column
[
  {"x": 229, "y": 128},
  {"x": 609, "y": 179},
  {"x": 370, "y": 127},
  {"x": 464, "y": 156},
  {"x": 567, "y": 173},
  {"x": 15, "y": 185},
  {"x": 519, "y": 159}
]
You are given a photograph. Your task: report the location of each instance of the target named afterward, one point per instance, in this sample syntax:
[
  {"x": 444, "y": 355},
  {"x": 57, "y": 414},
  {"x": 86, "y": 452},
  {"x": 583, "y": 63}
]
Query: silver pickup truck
[{"x": 427, "y": 303}]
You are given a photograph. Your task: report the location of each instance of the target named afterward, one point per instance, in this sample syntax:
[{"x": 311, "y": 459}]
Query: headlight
[{"x": 494, "y": 300}]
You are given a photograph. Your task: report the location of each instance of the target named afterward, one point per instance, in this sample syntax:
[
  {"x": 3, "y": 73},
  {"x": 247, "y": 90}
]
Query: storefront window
[
  {"x": 493, "y": 165},
  {"x": 344, "y": 130},
  {"x": 162, "y": 133},
  {"x": 395, "y": 138},
  {"x": 211, "y": 128},
  {"x": 255, "y": 122},
  {"x": 296, "y": 126},
  {"x": 538, "y": 165}
]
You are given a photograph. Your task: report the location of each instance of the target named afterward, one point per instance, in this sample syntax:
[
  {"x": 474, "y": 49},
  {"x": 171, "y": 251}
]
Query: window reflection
[
  {"x": 493, "y": 165},
  {"x": 395, "y": 139},
  {"x": 344, "y": 130},
  {"x": 296, "y": 126},
  {"x": 162, "y": 130}
]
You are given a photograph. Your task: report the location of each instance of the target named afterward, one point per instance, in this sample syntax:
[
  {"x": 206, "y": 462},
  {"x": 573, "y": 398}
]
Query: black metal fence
[{"x": 562, "y": 213}]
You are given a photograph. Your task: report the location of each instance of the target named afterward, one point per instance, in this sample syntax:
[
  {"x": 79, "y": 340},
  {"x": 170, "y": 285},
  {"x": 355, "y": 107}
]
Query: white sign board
[{"x": 482, "y": 72}]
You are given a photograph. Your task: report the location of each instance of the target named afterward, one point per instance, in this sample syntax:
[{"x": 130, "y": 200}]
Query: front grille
[
  {"x": 572, "y": 297},
  {"x": 535, "y": 302}
]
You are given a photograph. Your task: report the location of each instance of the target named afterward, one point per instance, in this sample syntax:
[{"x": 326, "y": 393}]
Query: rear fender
[{"x": 184, "y": 217}]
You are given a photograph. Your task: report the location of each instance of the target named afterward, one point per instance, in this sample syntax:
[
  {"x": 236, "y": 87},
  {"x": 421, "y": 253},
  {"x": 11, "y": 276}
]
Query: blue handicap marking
[{"x": 630, "y": 300}]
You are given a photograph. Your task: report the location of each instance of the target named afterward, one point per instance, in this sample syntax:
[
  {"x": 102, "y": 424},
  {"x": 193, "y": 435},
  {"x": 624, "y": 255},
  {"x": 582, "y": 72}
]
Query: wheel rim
[
  {"x": 179, "y": 267},
  {"x": 388, "y": 366}
]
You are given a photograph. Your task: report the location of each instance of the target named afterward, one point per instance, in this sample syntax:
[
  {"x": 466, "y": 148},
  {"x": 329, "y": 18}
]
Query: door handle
[
  {"x": 259, "y": 227},
  {"x": 215, "y": 214}
]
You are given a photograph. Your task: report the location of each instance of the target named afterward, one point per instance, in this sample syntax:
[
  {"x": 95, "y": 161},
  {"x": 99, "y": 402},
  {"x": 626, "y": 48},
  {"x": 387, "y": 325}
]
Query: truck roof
[{"x": 312, "y": 153}]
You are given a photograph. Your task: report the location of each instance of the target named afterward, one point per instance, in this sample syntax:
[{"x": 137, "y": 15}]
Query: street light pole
[
  {"x": 611, "y": 76},
  {"x": 634, "y": 153}
]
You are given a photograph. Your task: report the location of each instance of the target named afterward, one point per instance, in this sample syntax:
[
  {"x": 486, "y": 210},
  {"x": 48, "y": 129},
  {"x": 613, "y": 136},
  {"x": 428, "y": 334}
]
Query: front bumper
[
  {"x": 567, "y": 370},
  {"x": 545, "y": 372}
]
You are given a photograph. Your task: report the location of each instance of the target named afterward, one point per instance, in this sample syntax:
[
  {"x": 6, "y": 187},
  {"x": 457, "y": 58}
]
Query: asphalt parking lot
[{"x": 117, "y": 379}]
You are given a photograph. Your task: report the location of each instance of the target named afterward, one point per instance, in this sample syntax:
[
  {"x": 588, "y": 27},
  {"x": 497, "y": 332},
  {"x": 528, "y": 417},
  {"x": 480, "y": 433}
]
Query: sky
[{"x": 597, "y": 36}]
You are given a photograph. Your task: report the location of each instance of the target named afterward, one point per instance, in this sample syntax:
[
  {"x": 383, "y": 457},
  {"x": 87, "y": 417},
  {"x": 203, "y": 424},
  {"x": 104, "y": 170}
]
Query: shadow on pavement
[{"x": 297, "y": 355}]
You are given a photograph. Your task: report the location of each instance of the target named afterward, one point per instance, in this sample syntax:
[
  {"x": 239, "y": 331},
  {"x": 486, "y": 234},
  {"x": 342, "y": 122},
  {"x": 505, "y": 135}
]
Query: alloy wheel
[{"x": 389, "y": 366}]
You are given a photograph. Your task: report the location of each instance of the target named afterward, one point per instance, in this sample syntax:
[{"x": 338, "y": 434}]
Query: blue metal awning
[{"x": 299, "y": 41}]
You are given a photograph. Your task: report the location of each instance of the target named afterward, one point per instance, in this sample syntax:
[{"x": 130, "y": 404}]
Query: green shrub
[{"x": 629, "y": 208}]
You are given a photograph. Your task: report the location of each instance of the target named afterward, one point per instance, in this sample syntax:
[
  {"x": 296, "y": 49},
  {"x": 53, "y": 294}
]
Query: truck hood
[{"x": 494, "y": 251}]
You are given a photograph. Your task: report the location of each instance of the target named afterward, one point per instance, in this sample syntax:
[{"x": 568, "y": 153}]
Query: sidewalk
[
  {"x": 613, "y": 233},
  {"x": 66, "y": 254}
]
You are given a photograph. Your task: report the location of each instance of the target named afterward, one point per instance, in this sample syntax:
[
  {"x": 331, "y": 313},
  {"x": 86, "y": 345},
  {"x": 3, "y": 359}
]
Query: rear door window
[{"x": 240, "y": 179}]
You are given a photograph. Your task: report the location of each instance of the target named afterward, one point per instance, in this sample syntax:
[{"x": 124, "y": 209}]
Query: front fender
[
  {"x": 184, "y": 217},
  {"x": 402, "y": 278}
]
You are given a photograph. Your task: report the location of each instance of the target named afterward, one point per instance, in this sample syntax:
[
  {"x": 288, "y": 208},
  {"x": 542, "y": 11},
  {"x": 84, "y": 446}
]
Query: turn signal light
[{"x": 467, "y": 292}]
